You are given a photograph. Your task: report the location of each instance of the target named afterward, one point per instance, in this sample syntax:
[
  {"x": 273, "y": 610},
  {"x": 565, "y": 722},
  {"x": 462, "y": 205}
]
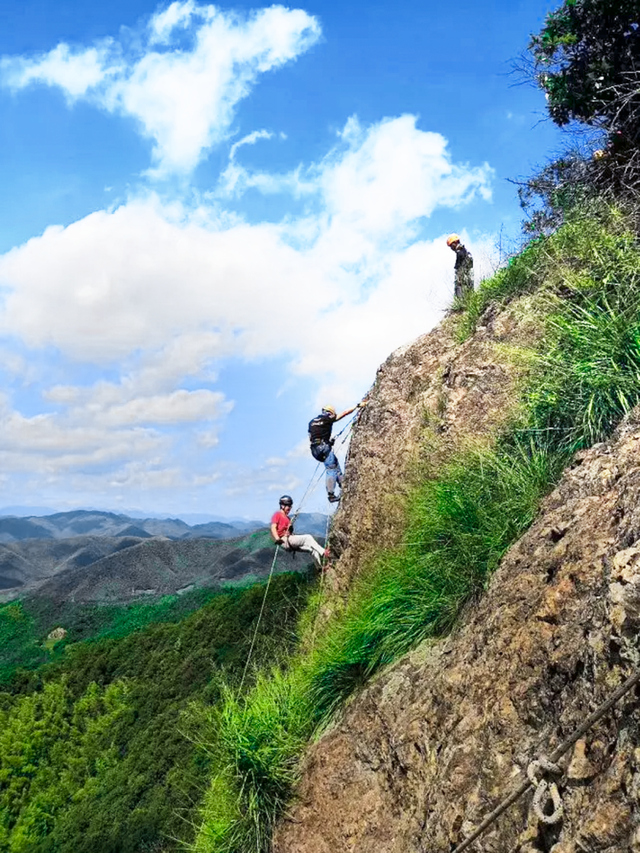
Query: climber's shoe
[{"x": 333, "y": 498}]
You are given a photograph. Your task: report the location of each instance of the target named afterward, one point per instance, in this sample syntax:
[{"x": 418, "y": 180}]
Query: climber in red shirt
[{"x": 282, "y": 533}]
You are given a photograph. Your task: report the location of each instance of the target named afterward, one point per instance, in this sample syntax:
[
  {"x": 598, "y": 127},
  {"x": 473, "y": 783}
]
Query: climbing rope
[
  {"x": 322, "y": 584},
  {"x": 348, "y": 426},
  {"x": 311, "y": 486},
  {"x": 546, "y": 763},
  {"x": 353, "y": 420},
  {"x": 309, "y": 490},
  {"x": 255, "y": 633}
]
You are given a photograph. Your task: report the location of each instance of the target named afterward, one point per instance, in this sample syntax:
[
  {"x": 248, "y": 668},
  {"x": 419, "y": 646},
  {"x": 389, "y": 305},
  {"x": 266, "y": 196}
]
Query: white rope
[
  {"x": 349, "y": 425},
  {"x": 310, "y": 488},
  {"x": 322, "y": 582},
  {"x": 255, "y": 633}
]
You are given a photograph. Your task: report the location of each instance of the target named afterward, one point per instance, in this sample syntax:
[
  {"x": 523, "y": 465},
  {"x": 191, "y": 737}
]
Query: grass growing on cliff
[
  {"x": 460, "y": 525},
  {"x": 255, "y": 741},
  {"x": 589, "y": 376},
  {"x": 585, "y": 376},
  {"x": 595, "y": 244}
]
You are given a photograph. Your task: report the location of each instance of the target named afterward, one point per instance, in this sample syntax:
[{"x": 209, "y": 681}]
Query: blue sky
[{"x": 216, "y": 218}]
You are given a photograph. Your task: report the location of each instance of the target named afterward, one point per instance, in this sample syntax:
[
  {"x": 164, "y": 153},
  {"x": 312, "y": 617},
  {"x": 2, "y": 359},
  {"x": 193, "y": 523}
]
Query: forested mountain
[
  {"x": 100, "y": 749},
  {"x": 66, "y": 525},
  {"x": 106, "y": 569}
]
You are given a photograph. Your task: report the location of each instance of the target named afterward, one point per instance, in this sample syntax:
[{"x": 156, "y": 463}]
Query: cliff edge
[
  {"x": 436, "y": 741},
  {"x": 484, "y": 594}
]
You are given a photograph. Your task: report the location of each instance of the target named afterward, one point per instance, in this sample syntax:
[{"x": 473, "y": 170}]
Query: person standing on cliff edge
[
  {"x": 322, "y": 446},
  {"x": 463, "y": 267}
]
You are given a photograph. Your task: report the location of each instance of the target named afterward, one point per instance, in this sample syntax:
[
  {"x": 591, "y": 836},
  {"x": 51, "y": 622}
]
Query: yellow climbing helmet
[
  {"x": 329, "y": 410},
  {"x": 453, "y": 238}
]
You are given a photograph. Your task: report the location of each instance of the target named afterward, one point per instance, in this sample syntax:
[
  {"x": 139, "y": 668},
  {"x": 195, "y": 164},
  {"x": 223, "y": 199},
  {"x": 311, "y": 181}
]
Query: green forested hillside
[{"x": 98, "y": 748}]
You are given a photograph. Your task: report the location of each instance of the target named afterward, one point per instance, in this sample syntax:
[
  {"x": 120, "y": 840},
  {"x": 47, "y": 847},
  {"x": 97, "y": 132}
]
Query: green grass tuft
[
  {"x": 589, "y": 376},
  {"x": 256, "y": 743}
]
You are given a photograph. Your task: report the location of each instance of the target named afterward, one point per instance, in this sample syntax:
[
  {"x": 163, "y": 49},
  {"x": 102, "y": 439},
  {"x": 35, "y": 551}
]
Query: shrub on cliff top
[{"x": 596, "y": 239}]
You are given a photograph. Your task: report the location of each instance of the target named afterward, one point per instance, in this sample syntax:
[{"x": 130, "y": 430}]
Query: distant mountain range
[
  {"x": 101, "y": 557},
  {"x": 107, "y": 570},
  {"x": 66, "y": 525}
]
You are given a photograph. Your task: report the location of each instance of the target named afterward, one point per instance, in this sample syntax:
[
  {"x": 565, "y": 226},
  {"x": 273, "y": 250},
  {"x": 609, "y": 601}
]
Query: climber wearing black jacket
[{"x": 322, "y": 446}]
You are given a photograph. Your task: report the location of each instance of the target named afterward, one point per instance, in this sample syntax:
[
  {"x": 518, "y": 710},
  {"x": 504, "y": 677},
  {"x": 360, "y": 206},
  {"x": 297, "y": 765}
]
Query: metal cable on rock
[{"x": 593, "y": 718}]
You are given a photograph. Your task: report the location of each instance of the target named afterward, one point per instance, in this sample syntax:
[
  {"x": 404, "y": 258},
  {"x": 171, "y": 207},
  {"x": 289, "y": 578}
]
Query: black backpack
[{"x": 320, "y": 429}]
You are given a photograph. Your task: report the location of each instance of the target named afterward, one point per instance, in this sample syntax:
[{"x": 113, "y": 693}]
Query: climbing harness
[{"x": 565, "y": 746}]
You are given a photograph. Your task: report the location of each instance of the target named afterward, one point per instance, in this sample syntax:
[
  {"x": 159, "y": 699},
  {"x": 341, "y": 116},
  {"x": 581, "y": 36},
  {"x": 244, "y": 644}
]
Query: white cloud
[
  {"x": 164, "y": 24},
  {"x": 392, "y": 174},
  {"x": 48, "y": 441},
  {"x": 175, "y": 408},
  {"x": 75, "y": 72},
  {"x": 109, "y": 426},
  {"x": 275, "y": 461},
  {"x": 184, "y": 98},
  {"x": 250, "y": 139},
  {"x": 262, "y": 483},
  {"x": 139, "y": 476},
  {"x": 162, "y": 296},
  {"x": 336, "y": 290},
  {"x": 207, "y": 439}
]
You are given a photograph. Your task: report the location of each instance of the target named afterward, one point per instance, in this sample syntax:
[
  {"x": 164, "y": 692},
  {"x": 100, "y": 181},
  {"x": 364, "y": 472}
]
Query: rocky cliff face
[
  {"x": 437, "y": 740},
  {"x": 428, "y": 399}
]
